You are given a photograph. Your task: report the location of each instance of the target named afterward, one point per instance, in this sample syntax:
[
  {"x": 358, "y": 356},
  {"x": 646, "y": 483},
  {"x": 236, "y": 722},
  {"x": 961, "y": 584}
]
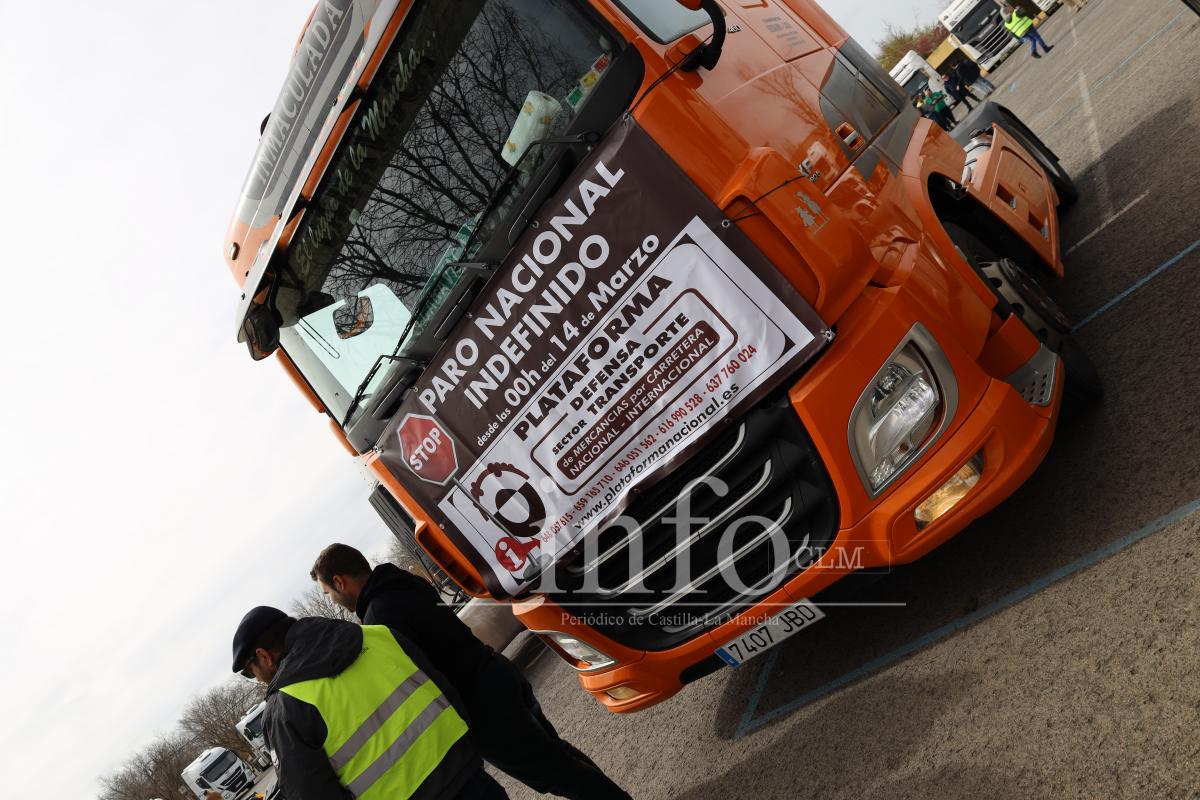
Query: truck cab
[
  {"x": 250, "y": 728},
  {"x": 219, "y": 770},
  {"x": 977, "y": 27},
  {"x": 655, "y": 320}
]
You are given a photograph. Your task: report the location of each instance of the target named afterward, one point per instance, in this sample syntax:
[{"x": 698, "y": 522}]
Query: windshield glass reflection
[{"x": 472, "y": 85}]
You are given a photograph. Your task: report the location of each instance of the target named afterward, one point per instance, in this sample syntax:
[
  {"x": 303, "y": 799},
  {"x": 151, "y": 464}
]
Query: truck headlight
[
  {"x": 582, "y": 655},
  {"x": 894, "y": 419}
]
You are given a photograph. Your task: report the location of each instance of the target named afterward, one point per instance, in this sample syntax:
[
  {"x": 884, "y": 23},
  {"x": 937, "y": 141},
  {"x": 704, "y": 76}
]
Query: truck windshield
[
  {"x": 254, "y": 727},
  {"x": 979, "y": 17},
  {"x": 467, "y": 88},
  {"x": 666, "y": 22},
  {"x": 219, "y": 767}
]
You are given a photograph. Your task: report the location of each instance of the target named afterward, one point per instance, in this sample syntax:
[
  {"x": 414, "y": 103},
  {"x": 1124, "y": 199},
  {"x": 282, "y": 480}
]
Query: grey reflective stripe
[
  {"x": 398, "y": 748},
  {"x": 378, "y": 717}
]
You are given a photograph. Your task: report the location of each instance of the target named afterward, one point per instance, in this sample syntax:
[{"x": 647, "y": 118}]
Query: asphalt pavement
[
  {"x": 265, "y": 782},
  {"x": 1050, "y": 650}
]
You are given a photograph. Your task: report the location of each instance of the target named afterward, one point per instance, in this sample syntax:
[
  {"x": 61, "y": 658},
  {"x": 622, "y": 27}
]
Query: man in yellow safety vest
[
  {"x": 1023, "y": 28},
  {"x": 354, "y": 711},
  {"x": 507, "y": 723}
]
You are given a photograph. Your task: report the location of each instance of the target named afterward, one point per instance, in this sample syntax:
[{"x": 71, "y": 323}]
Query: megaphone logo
[{"x": 507, "y": 494}]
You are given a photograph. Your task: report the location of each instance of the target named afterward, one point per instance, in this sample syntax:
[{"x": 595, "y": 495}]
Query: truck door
[
  {"x": 858, "y": 100},
  {"x": 867, "y": 111}
]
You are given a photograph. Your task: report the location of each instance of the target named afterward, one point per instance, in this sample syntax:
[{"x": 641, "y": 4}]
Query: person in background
[
  {"x": 970, "y": 77},
  {"x": 937, "y": 110},
  {"x": 955, "y": 89},
  {"x": 507, "y": 724},
  {"x": 356, "y": 710},
  {"x": 926, "y": 109},
  {"x": 1023, "y": 28}
]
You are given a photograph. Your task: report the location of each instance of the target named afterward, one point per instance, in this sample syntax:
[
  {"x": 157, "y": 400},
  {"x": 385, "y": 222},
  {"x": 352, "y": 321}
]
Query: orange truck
[{"x": 660, "y": 321}]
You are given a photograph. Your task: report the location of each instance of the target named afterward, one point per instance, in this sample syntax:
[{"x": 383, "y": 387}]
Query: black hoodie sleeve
[
  {"x": 425, "y": 665},
  {"x": 295, "y": 731},
  {"x": 410, "y": 605}
]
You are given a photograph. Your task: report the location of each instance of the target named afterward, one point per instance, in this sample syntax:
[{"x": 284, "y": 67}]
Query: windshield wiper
[
  {"x": 589, "y": 137},
  {"x": 430, "y": 290}
]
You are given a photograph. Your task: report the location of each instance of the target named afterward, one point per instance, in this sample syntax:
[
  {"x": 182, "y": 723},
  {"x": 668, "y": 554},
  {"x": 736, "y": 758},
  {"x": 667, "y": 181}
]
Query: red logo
[
  {"x": 427, "y": 449},
  {"x": 513, "y": 553}
]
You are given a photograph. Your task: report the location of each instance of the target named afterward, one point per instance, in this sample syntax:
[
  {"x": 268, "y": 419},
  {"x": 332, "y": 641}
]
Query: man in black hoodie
[
  {"x": 971, "y": 77},
  {"x": 356, "y": 711},
  {"x": 507, "y": 724}
]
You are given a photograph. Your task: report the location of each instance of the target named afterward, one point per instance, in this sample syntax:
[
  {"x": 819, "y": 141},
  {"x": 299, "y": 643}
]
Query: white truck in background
[
  {"x": 250, "y": 728},
  {"x": 219, "y": 770},
  {"x": 977, "y": 27},
  {"x": 914, "y": 73}
]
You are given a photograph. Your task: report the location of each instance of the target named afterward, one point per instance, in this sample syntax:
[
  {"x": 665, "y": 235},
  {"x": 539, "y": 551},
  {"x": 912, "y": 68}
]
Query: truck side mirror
[
  {"x": 353, "y": 318},
  {"x": 261, "y": 329},
  {"x": 706, "y": 55}
]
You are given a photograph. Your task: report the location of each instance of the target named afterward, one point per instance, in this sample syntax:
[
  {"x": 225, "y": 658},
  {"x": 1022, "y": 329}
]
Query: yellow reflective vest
[
  {"x": 1017, "y": 24},
  {"x": 390, "y": 728}
]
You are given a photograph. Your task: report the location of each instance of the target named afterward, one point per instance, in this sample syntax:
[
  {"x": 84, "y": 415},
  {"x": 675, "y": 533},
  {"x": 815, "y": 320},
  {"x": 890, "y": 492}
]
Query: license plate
[{"x": 770, "y": 633}]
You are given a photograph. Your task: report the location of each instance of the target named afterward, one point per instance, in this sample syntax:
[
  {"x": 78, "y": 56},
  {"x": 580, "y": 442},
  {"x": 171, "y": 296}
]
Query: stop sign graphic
[{"x": 427, "y": 449}]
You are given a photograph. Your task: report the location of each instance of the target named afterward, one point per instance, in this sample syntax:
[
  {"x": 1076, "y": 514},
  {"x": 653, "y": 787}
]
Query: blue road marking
[
  {"x": 1138, "y": 52},
  {"x": 1149, "y": 276},
  {"x": 750, "y": 722}
]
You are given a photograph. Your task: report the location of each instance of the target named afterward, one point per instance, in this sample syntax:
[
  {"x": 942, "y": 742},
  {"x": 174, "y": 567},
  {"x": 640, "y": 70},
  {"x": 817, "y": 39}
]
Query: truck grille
[
  {"x": 992, "y": 42},
  {"x": 763, "y": 510},
  {"x": 236, "y": 781}
]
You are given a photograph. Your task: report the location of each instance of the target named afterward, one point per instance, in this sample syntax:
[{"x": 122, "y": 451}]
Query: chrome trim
[
  {"x": 720, "y": 611},
  {"x": 657, "y": 515},
  {"x": 776, "y": 525},
  {"x": 672, "y": 554},
  {"x": 943, "y": 373}
]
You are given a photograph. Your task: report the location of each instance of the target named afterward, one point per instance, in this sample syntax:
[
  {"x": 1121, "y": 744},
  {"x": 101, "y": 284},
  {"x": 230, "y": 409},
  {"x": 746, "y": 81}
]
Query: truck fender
[{"x": 989, "y": 114}]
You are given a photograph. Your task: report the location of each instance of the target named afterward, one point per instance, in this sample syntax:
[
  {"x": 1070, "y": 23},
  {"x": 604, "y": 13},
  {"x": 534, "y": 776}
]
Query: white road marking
[
  {"x": 1093, "y": 134},
  {"x": 1106, "y": 223}
]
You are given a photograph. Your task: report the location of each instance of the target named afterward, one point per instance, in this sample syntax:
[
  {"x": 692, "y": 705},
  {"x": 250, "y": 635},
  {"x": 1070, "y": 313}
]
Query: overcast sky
[{"x": 154, "y": 482}]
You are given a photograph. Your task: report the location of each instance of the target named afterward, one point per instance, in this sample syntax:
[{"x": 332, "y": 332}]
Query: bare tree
[
  {"x": 210, "y": 717},
  {"x": 401, "y": 554},
  {"x": 155, "y": 771},
  {"x": 314, "y": 603},
  {"x": 924, "y": 39}
]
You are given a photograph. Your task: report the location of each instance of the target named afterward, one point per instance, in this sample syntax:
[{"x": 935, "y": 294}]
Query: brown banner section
[{"x": 625, "y": 324}]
